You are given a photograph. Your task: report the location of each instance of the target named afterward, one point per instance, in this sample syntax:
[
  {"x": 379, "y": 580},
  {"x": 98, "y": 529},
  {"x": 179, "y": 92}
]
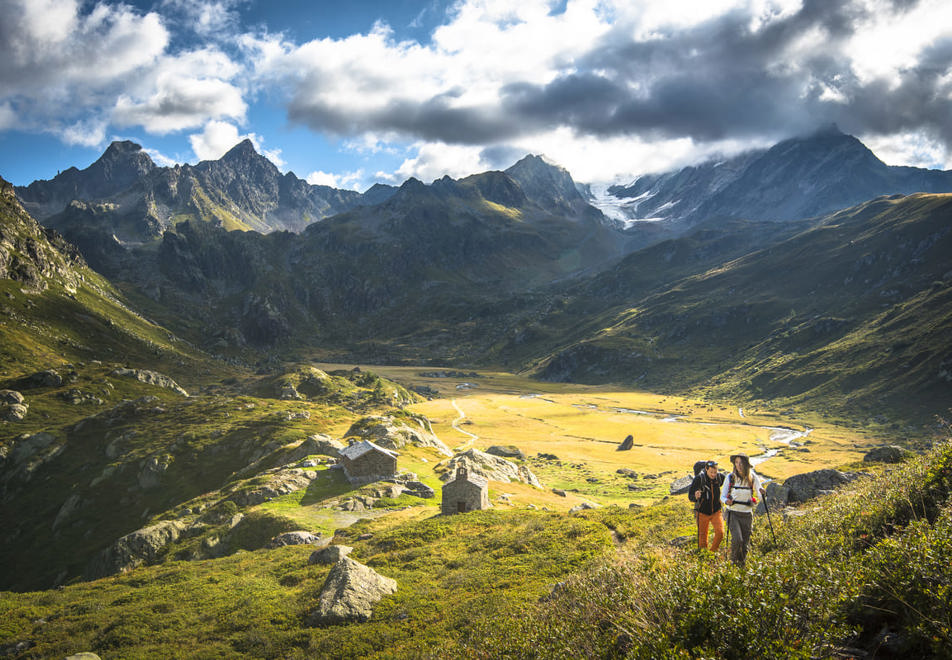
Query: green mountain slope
[{"x": 854, "y": 312}]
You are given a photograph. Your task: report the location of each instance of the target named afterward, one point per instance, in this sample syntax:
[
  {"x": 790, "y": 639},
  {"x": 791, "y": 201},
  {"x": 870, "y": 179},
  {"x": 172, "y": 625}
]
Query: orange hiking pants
[{"x": 715, "y": 520}]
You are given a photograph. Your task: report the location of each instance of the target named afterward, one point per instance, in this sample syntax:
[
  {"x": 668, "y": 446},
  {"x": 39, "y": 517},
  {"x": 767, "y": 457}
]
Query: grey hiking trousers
[{"x": 740, "y": 525}]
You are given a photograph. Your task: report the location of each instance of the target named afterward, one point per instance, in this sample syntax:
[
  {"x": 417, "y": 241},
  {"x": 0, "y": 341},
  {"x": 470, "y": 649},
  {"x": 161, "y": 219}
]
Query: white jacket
[{"x": 741, "y": 508}]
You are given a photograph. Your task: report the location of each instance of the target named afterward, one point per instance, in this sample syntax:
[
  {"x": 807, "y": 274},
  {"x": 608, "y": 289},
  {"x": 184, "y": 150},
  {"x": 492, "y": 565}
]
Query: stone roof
[
  {"x": 358, "y": 449},
  {"x": 475, "y": 479}
]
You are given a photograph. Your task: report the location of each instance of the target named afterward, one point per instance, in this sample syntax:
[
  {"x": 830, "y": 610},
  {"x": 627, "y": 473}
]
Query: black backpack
[{"x": 698, "y": 467}]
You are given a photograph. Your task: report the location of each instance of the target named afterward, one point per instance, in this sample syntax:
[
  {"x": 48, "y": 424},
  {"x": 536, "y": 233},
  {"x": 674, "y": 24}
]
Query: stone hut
[
  {"x": 465, "y": 493},
  {"x": 364, "y": 462}
]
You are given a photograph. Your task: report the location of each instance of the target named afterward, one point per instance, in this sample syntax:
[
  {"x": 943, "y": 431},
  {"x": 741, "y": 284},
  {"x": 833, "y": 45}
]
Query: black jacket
[{"x": 710, "y": 500}]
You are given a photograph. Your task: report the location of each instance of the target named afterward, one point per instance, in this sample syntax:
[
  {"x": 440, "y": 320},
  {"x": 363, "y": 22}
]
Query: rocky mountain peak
[
  {"x": 243, "y": 151},
  {"x": 546, "y": 184}
]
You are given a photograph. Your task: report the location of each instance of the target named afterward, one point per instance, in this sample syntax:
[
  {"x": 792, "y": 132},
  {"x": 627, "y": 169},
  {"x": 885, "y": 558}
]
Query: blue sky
[{"x": 350, "y": 93}]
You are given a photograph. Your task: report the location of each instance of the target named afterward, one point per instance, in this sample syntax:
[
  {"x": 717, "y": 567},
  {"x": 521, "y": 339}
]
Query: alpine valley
[{"x": 191, "y": 357}]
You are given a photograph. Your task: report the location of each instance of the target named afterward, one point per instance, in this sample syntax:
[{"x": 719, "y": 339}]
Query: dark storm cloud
[{"x": 720, "y": 79}]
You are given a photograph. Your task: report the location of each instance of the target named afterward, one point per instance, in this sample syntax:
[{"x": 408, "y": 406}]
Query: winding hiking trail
[{"x": 456, "y": 422}]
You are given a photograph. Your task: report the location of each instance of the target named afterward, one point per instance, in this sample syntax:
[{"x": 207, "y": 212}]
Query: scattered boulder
[
  {"x": 547, "y": 457},
  {"x": 626, "y": 444},
  {"x": 323, "y": 445},
  {"x": 584, "y": 506},
  {"x": 389, "y": 433},
  {"x": 152, "y": 470},
  {"x": 83, "y": 655},
  {"x": 139, "y": 547},
  {"x": 418, "y": 489},
  {"x": 280, "y": 482},
  {"x": 627, "y": 472},
  {"x": 804, "y": 487},
  {"x": 887, "y": 454},
  {"x": 778, "y": 496},
  {"x": 150, "y": 378},
  {"x": 350, "y": 593},
  {"x": 487, "y": 466},
  {"x": 48, "y": 378},
  {"x": 13, "y": 412},
  {"x": 300, "y": 537},
  {"x": 11, "y": 397},
  {"x": 559, "y": 492},
  {"x": 329, "y": 555},
  {"x": 681, "y": 485},
  {"x": 506, "y": 451}
]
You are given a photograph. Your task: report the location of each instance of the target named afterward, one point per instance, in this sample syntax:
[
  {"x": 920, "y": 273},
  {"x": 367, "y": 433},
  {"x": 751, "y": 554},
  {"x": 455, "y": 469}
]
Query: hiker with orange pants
[{"x": 705, "y": 493}]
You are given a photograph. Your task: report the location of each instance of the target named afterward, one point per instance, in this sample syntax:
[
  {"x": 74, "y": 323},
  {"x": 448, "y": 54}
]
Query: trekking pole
[{"x": 769, "y": 521}]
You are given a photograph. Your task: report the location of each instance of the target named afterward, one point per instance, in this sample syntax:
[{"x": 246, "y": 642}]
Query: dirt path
[{"x": 456, "y": 422}]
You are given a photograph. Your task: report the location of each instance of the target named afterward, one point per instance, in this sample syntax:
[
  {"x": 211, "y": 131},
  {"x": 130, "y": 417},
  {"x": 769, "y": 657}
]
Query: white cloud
[
  {"x": 914, "y": 148},
  {"x": 434, "y": 160},
  {"x": 88, "y": 133},
  {"x": 220, "y": 136},
  {"x": 8, "y": 117},
  {"x": 888, "y": 43},
  {"x": 181, "y": 103},
  {"x": 346, "y": 181}
]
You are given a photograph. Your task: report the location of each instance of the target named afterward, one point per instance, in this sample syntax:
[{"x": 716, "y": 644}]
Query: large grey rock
[
  {"x": 390, "y": 433},
  {"x": 681, "y": 485},
  {"x": 487, "y": 466},
  {"x": 280, "y": 482},
  {"x": 778, "y": 495},
  {"x": 418, "y": 489},
  {"x": 626, "y": 444},
  {"x": 135, "y": 549},
  {"x": 887, "y": 454},
  {"x": 323, "y": 445},
  {"x": 300, "y": 537},
  {"x": 329, "y": 555},
  {"x": 151, "y": 378},
  {"x": 13, "y": 412},
  {"x": 11, "y": 397},
  {"x": 152, "y": 469},
  {"x": 584, "y": 506},
  {"x": 350, "y": 593},
  {"x": 48, "y": 378},
  {"x": 804, "y": 487},
  {"x": 506, "y": 451}
]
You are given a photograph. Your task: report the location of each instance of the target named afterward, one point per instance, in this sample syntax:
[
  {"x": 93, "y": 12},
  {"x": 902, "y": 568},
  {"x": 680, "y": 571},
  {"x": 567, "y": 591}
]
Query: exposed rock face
[
  {"x": 681, "y": 485},
  {"x": 12, "y": 406},
  {"x": 506, "y": 451},
  {"x": 393, "y": 434},
  {"x": 487, "y": 466},
  {"x": 323, "y": 445},
  {"x": 886, "y": 454},
  {"x": 584, "y": 506},
  {"x": 140, "y": 547},
  {"x": 281, "y": 482},
  {"x": 803, "y": 487},
  {"x": 350, "y": 593},
  {"x": 329, "y": 555},
  {"x": 626, "y": 444},
  {"x": 300, "y": 537},
  {"x": 48, "y": 378},
  {"x": 152, "y": 470},
  {"x": 152, "y": 378}
]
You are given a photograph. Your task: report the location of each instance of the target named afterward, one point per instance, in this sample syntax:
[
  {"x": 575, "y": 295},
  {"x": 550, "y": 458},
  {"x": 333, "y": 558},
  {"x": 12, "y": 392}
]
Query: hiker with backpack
[
  {"x": 705, "y": 493},
  {"x": 739, "y": 495}
]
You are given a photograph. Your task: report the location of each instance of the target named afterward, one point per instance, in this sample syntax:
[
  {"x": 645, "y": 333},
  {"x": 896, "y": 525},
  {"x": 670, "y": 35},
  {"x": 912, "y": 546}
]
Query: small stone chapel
[{"x": 465, "y": 493}]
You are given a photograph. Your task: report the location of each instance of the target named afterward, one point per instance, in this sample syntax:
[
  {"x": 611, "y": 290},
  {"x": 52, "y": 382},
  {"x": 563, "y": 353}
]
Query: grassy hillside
[{"x": 864, "y": 572}]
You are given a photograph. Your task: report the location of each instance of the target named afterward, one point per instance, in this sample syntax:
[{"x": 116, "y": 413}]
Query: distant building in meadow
[
  {"x": 465, "y": 493},
  {"x": 364, "y": 462}
]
